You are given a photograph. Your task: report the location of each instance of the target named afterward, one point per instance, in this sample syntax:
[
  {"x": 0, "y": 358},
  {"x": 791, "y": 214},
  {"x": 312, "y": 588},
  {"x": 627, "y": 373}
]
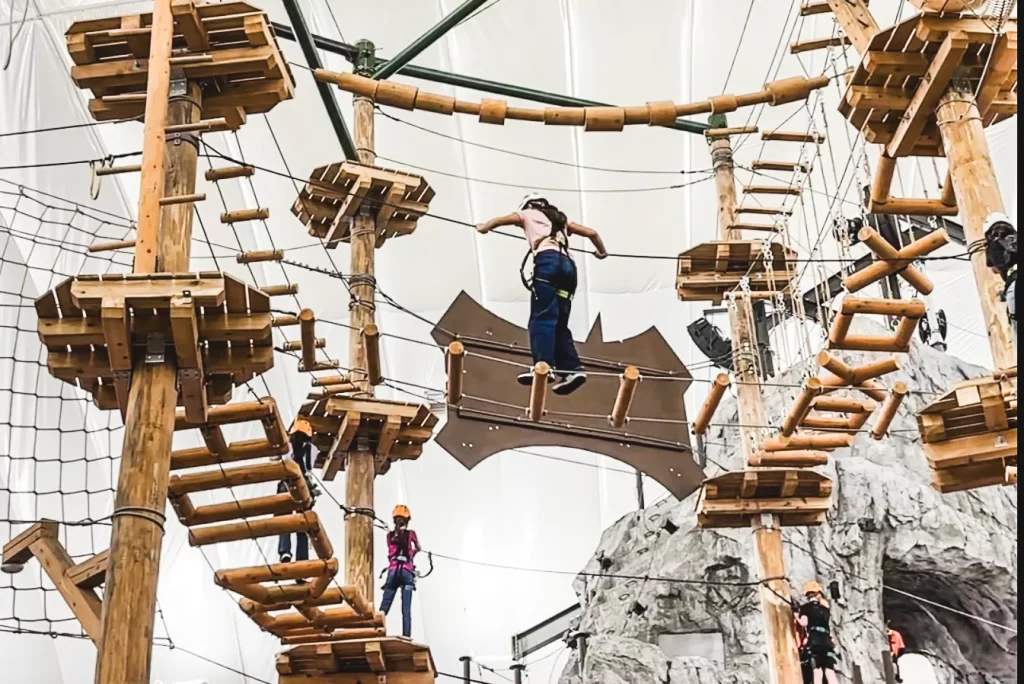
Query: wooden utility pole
[
  {"x": 977, "y": 195},
  {"x": 163, "y": 245},
  {"x": 360, "y": 468},
  {"x": 783, "y": 660}
]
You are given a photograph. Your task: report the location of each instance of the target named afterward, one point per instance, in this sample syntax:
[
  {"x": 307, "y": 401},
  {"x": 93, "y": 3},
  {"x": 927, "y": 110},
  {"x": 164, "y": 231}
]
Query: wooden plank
[
  {"x": 90, "y": 573},
  {"x": 1003, "y": 62},
  {"x": 388, "y": 434},
  {"x": 190, "y": 25},
  {"x": 346, "y": 433},
  {"x": 18, "y": 550},
  {"x": 116, "y": 334},
  {"x": 926, "y": 97},
  {"x": 374, "y": 657},
  {"x": 84, "y": 603},
  {"x": 372, "y": 407},
  {"x": 389, "y": 205},
  {"x": 349, "y": 206},
  {"x": 789, "y": 484},
  {"x": 749, "y": 486},
  {"x": 858, "y": 24},
  {"x": 988, "y": 446}
]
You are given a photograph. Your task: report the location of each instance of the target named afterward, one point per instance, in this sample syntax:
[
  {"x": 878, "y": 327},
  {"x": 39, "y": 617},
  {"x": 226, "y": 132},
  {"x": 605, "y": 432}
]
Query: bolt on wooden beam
[
  {"x": 627, "y": 388},
  {"x": 110, "y": 246},
  {"x": 888, "y": 412},
  {"x": 710, "y": 405},
  {"x": 371, "y": 340},
  {"x": 265, "y": 255},
  {"x": 308, "y": 342},
  {"x": 539, "y": 390},
  {"x": 456, "y": 357}
]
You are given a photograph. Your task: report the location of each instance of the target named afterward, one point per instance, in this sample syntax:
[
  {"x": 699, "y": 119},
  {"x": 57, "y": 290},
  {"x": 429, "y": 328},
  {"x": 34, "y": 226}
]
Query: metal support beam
[
  {"x": 349, "y": 52},
  {"x": 390, "y": 68},
  {"x": 306, "y": 41}
]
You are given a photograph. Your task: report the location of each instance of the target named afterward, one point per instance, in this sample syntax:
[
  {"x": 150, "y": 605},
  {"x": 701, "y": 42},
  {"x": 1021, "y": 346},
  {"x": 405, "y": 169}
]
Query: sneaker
[
  {"x": 300, "y": 581},
  {"x": 569, "y": 383},
  {"x": 286, "y": 558},
  {"x": 526, "y": 379}
]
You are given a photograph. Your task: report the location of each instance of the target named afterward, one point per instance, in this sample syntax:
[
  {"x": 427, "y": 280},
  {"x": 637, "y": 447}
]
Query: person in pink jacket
[{"x": 403, "y": 545}]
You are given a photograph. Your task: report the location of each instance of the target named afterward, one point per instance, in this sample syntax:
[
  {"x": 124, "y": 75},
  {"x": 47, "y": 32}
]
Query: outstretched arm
[
  {"x": 576, "y": 229},
  {"x": 497, "y": 222}
]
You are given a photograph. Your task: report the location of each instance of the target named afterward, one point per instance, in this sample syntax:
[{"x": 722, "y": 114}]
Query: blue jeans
[
  {"x": 284, "y": 541},
  {"x": 406, "y": 581},
  {"x": 550, "y": 338}
]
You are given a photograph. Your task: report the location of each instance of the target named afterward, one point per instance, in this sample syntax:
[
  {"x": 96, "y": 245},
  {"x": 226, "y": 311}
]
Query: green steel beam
[
  {"x": 391, "y": 66},
  {"x": 350, "y": 53}
]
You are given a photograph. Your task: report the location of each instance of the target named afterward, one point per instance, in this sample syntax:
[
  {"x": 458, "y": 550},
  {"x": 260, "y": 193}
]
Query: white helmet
[
  {"x": 997, "y": 219},
  {"x": 532, "y": 197}
]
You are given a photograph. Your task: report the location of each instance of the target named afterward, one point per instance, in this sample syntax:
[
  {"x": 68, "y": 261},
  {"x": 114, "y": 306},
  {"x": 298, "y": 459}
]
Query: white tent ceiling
[{"x": 517, "y": 509}]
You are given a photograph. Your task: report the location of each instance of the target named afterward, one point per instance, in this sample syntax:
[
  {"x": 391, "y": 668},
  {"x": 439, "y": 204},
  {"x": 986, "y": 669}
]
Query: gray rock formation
[{"x": 901, "y": 551}]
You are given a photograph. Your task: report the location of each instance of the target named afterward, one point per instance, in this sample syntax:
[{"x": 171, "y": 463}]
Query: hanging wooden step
[
  {"x": 818, "y": 44},
  {"x": 709, "y": 270},
  {"x": 910, "y": 312},
  {"x": 970, "y": 433},
  {"x": 227, "y": 172},
  {"x": 276, "y": 504},
  {"x": 765, "y": 211},
  {"x": 759, "y": 227},
  {"x": 258, "y": 256},
  {"x": 394, "y": 430},
  {"x": 772, "y": 190},
  {"x": 795, "y": 167},
  {"x": 792, "y": 136},
  {"x": 221, "y": 477},
  {"x": 306, "y": 522},
  {"x": 391, "y": 657},
  {"x": 111, "y": 246},
  {"x": 218, "y": 450},
  {"x": 334, "y": 194},
  {"x": 799, "y": 497},
  {"x": 280, "y": 290},
  {"x": 312, "y": 578},
  {"x": 241, "y": 215},
  {"x": 811, "y": 8},
  {"x": 231, "y": 47}
]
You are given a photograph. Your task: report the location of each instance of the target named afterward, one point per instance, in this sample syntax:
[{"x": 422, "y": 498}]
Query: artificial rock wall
[{"x": 888, "y": 532}]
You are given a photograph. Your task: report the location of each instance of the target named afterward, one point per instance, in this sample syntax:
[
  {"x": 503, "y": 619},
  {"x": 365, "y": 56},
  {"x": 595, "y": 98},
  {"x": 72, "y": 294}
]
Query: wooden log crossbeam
[
  {"x": 409, "y": 97},
  {"x": 910, "y": 312},
  {"x": 891, "y": 260}
]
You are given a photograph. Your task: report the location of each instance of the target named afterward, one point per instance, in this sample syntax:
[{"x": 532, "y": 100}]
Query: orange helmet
[
  {"x": 401, "y": 511},
  {"x": 302, "y": 425},
  {"x": 813, "y": 587}
]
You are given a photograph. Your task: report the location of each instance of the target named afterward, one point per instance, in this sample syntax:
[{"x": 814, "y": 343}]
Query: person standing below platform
[
  {"x": 553, "y": 287},
  {"x": 815, "y": 617},
  {"x": 896, "y": 648},
  {"x": 302, "y": 453},
  {"x": 403, "y": 545}
]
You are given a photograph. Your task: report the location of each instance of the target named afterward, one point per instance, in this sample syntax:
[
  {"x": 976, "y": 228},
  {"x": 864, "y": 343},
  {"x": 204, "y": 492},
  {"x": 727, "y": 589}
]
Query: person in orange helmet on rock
[
  {"x": 896, "y": 648},
  {"x": 403, "y": 545},
  {"x": 815, "y": 617}
]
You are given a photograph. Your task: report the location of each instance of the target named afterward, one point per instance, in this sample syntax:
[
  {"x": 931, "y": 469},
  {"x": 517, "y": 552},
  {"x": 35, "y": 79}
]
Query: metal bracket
[
  {"x": 179, "y": 84},
  {"x": 178, "y": 138},
  {"x": 155, "y": 347}
]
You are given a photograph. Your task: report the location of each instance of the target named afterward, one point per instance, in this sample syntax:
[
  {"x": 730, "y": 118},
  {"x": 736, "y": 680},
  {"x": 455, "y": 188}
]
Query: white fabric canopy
[{"x": 517, "y": 509}]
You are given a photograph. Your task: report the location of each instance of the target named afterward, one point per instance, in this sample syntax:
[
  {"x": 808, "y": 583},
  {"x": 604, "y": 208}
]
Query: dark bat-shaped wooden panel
[{"x": 492, "y": 414}]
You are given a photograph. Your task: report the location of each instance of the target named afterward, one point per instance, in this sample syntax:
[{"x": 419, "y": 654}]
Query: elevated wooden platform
[
  {"x": 970, "y": 433},
  {"x": 392, "y": 430},
  {"x": 799, "y": 497},
  {"x": 892, "y": 94},
  {"x": 362, "y": 661},
  {"x": 709, "y": 270},
  {"x": 335, "y": 193},
  {"x": 229, "y": 46},
  {"x": 96, "y": 327}
]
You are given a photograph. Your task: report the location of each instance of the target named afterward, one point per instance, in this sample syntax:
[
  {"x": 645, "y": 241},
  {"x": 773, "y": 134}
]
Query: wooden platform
[
  {"x": 970, "y": 433},
  {"x": 334, "y": 194},
  {"x": 892, "y": 94},
  {"x": 709, "y": 270},
  {"x": 97, "y": 327},
  {"x": 365, "y": 661},
  {"x": 230, "y": 46},
  {"x": 798, "y": 496},
  {"x": 393, "y": 430}
]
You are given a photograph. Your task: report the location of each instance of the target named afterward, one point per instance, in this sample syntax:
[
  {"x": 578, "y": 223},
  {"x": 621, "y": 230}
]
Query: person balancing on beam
[{"x": 553, "y": 286}]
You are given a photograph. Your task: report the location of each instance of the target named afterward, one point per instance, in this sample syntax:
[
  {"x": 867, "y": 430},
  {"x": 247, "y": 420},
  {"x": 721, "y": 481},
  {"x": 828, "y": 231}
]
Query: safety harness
[{"x": 561, "y": 239}]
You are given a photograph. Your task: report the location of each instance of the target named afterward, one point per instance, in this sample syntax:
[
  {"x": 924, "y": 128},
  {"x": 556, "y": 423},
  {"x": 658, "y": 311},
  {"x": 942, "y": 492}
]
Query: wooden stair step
[
  {"x": 765, "y": 211},
  {"x": 226, "y": 172},
  {"x": 233, "y": 477},
  {"x": 762, "y": 227},
  {"x": 792, "y": 136},
  {"x": 306, "y": 522},
  {"x": 276, "y": 504},
  {"x": 772, "y": 190},
  {"x": 246, "y": 450},
  {"x": 275, "y": 572},
  {"x": 818, "y": 44},
  {"x": 241, "y": 215},
  {"x": 765, "y": 165},
  {"x": 90, "y": 573}
]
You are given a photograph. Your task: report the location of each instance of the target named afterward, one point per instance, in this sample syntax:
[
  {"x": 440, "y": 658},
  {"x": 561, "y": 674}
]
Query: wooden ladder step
[
  {"x": 226, "y": 172},
  {"x": 797, "y": 167},
  {"x": 233, "y": 477},
  {"x": 792, "y": 136},
  {"x": 762, "y": 227},
  {"x": 255, "y": 529},
  {"x": 241, "y": 215},
  {"x": 772, "y": 190},
  {"x": 110, "y": 246},
  {"x": 182, "y": 199},
  {"x": 276, "y": 504},
  {"x": 818, "y": 44},
  {"x": 279, "y": 290},
  {"x": 91, "y": 573},
  {"x": 260, "y": 255},
  {"x": 765, "y": 211},
  {"x": 810, "y": 8}
]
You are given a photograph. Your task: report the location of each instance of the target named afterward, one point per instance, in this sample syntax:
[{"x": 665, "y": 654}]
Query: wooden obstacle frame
[
  {"x": 711, "y": 269},
  {"x": 359, "y": 661},
  {"x": 229, "y": 47},
  {"x": 96, "y": 327},
  {"x": 970, "y": 433},
  {"x": 336, "y": 193},
  {"x": 799, "y": 497},
  {"x": 392, "y": 430}
]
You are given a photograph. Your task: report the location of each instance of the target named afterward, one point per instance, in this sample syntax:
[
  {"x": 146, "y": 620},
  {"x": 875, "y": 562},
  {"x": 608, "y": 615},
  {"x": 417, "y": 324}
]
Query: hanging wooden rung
[
  {"x": 456, "y": 357},
  {"x": 799, "y": 458},
  {"x": 207, "y": 126},
  {"x": 772, "y": 190},
  {"x": 913, "y": 308},
  {"x": 818, "y": 44},
  {"x": 182, "y": 199},
  {"x": 114, "y": 170},
  {"x": 837, "y": 405},
  {"x": 539, "y": 390},
  {"x": 299, "y": 345},
  {"x": 279, "y": 290},
  {"x": 179, "y": 485},
  {"x": 308, "y": 344},
  {"x": 332, "y": 390},
  {"x": 226, "y": 172},
  {"x": 325, "y": 380},
  {"x": 245, "y": 215},
  {"x": 809, "y": 8},
  {"x": 627, "y": 388},
  {"x": 371, "y": 344},
  {"x": 306, "y": 521},
  {"x": 795, "y": 167},
  {"x": 284, "y": 321},
  {"x": 710, "y": 405},
  {"x": 716, "y": 133},
  {"x": 802, "y": 441},
  {"x": 811, "y": 389},
  {"x": 330, "y": 364},
  {"x": 760, "y": 227},
  {"x": 765, "y": 211},
  {"x": 792, "y": 136},
  {"x": 186, "y": 60},
  {"x": 276, "y": 504},
  {"x": 110, "y": 246},
  {"x": 266, "y": 255},
  {"x": 888, "y": 412}
]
